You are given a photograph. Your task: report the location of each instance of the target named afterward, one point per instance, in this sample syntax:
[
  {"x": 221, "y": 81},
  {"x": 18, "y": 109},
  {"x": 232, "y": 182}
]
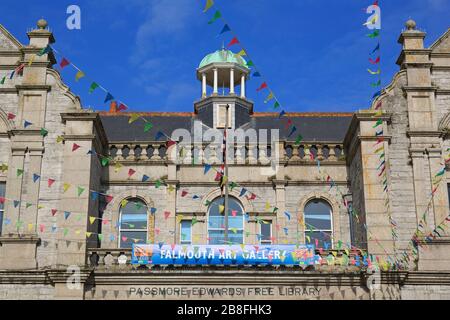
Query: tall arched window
[
  {"x": 133, "y": 223},
  {"x": 318, "y": 223},
  {"x": 216, "y": 222}
]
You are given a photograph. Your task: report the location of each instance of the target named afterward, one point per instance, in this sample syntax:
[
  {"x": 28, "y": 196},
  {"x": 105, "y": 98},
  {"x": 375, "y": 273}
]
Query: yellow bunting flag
[
  {"x": 209, "y": 4},
  {"x": 133, "y": 118},
  {"x": 31, "y": 60},
  {"x": 270, "y": 97},
  {"x": 59, "y": 139},
  {"x": 180, "y": 218},
  {"x": 267, "y": 206},
  {"x": 66, "y": 187},
  {"x": 117, "y": 167},
  {"x": 30, "y": 227},
  {"x": 79, "y": 75},
  {"x": 242, "y": 246},
  {"x": 40, "y": 207},
  {"x": 234, "y": 230},
  {"x": 241, "y": 53},
  {"x": 88, "y": 234},
  {"x": 221, "y": 209},
  {"x": 124, "y": 203},
  {"x": 171, "y": 188},
  {"x": 92, "y": 219}
]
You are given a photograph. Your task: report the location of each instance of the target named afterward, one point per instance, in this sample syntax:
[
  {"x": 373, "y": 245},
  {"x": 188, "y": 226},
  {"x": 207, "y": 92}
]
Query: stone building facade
[{"x": 53, "y": 232}]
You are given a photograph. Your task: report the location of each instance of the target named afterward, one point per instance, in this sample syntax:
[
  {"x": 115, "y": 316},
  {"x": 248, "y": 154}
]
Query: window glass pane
[
  {"x": 134, "y": 215},
  {"x": 217, "y": 237},
  {"x": 2, "y": 206},
  {"x": 186, "y": 232},
  {"x": 323, "y": 239},
  {"x": 216, "y": 222},
  {"x": 128, "y": 238},
  {"x": 266, "y": 231},
  {"x": 318, "y": 215}
]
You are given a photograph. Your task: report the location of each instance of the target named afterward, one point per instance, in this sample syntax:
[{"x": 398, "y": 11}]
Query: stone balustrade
[{"x": 239, "y": 154}]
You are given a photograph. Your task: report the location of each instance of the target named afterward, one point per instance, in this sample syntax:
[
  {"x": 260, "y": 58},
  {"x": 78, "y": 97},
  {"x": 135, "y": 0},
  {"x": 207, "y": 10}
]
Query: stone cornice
[
  {"x": 224, "y": 99},
  {"x": 19, "y": 239},
  {"x": 420, "y": 89},
  {"x": 429, "y": 134},
  {"x": 443, "y": 91},
  {"x": 37, "y": 87},
  {"x": 99, "y": 133},
  {"x": 8, "y": 90}
]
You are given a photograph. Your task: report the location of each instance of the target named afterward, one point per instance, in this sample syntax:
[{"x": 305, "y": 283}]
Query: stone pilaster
[{"x": 79, "y": 169}]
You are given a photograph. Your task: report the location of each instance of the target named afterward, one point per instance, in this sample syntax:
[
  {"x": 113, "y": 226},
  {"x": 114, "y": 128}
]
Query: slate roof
[{"x": 327, "y": 127}]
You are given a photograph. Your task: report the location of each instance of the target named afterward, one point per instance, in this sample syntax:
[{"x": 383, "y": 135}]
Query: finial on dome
[
  {"x": 411, "y": 24},
  {"x": 42, "y": 24}
]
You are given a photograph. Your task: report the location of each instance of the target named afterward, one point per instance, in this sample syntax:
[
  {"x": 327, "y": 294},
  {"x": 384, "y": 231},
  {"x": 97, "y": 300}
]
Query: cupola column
[
  {"x": 203, "y": 85},
  {"x": 216, "y": 82},
  {"x": 231, "y": 81},
  {"x": 243, "y": 86}
]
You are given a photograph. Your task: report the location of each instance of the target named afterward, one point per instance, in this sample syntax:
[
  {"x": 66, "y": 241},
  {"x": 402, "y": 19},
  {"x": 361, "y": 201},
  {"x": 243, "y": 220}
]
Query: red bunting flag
[
  {"x": 54, "y": 211},
  {"x": 233, "y": 42},
  {"x": 64, "y": 63},
  {"x": 262, "y": 87},
  {"x": 122, "y": 107},
  {"x": 252, "y": 197},
  {"x": 170, "y": 143},
  {"x": 234, "y": 213},
  {"x": 2, "y": 200},
  {"x": 378, "y": 106},
  {"x": 50, "y": 182},
  {"x": 167, "y": 215},
  {"x": 184, "y": 193},
  {"x": 377, "y": 61},
  {"x": 11, "y": 116},
  {"x": 75, "y": 147},
  {"x": 131, "y": 172},
  {"x": 109, "y": 198}
]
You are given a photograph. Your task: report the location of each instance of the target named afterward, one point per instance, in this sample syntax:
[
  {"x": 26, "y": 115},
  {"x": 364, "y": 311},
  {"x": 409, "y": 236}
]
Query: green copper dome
[{"x": 223, "y": 56}]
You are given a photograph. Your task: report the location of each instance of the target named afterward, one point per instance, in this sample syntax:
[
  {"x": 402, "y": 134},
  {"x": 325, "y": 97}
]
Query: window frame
[
  {"x": 266, "y": 242},
  {"x": 307, "y": 229},
  {"x": 2, "y": 210},
  {"x": 220, "y": 229},
  {"x": 132, "y": 230},
  {"x": 184, "y": 242}
]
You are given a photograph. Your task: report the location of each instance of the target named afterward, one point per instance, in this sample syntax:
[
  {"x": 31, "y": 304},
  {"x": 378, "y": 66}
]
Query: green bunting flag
[
  {"x": 3, "y": 80},
  {"x": 44, "y": 132},
  {"x": 80, "y": 191},
  {"x": 375, "y": 34},
  {"x": 148, "y": 126},
  {"x": 276, "y": 105},
  {"x": 19, "y": 172},
  {"x": 93, "y": 87},
  {"x": 216, "y": 16},
  {"x": 105, "y": 161},
  {"x": 298, "y": 140}
]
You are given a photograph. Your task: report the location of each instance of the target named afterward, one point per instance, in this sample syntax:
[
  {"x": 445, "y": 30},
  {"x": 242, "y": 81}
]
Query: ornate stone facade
[{"x": 38, "y": 255}]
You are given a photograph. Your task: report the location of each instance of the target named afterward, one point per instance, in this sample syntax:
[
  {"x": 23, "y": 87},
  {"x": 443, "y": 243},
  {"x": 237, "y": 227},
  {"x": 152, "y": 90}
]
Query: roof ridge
[
  {"x": 305, "y": 114},
  {"x": 152, "y": 114}
]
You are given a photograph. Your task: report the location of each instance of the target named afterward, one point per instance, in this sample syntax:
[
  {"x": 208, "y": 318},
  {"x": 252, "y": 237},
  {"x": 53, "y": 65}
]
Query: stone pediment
[
  {"x": 7, "y": 41},
  {"x": 442, "y": 45}
]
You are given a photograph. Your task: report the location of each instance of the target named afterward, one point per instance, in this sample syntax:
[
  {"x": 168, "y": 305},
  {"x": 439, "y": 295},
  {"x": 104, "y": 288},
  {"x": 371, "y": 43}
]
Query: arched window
[
  {"x": 133, "y": 223},
  {"x": 318, "y": 224},
  {"x": 216, "y": 223}
]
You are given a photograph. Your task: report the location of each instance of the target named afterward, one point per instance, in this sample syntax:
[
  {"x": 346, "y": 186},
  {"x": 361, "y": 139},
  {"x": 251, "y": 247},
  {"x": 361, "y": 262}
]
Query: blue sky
[{"x": 313, "y": 53}]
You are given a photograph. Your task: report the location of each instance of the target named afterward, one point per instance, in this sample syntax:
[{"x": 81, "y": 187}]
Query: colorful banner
[{"x": 144, "y": 254}]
